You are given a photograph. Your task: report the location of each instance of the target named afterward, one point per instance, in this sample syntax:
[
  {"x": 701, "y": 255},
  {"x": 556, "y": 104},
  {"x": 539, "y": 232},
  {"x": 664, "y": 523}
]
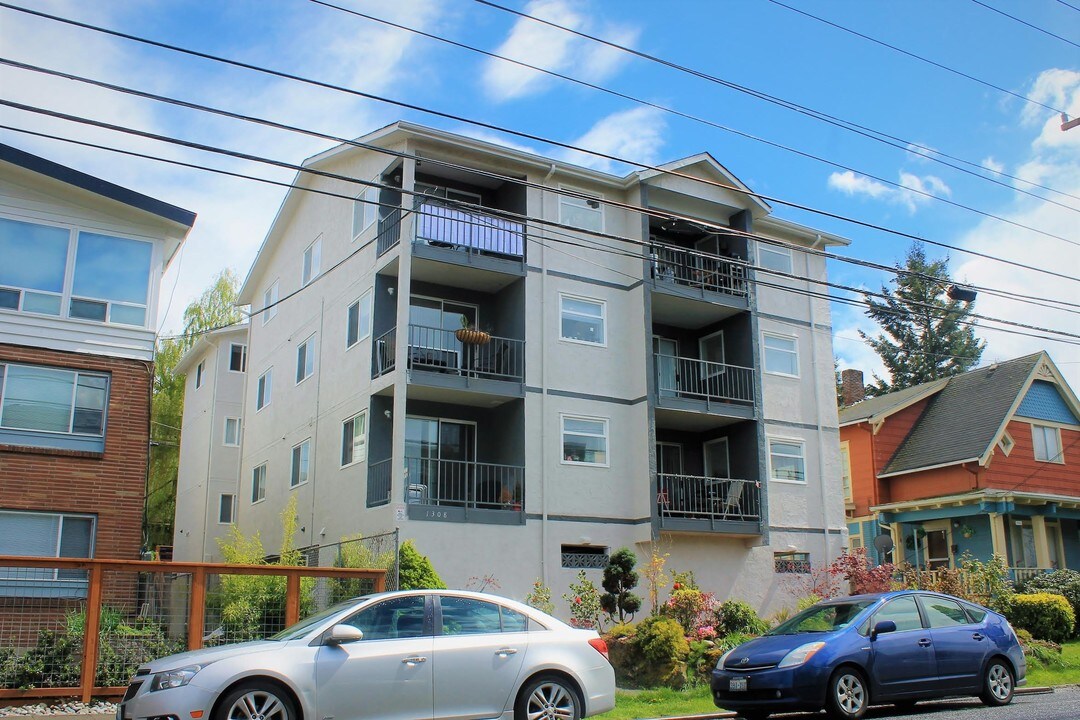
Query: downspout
[
  {"x": 315, "y": 430},
  {"x": 207, "y": 509},
  {"x": 543, "y": 386},
  {"x": 817, "y": 406}
]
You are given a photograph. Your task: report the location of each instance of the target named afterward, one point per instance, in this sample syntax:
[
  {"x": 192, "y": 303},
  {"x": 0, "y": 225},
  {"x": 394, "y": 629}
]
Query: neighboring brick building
[{"x": 81, "y": 261}]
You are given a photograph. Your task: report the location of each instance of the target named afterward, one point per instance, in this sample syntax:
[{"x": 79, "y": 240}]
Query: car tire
[
  {"x": 548, "y": 697},
  {"x": 265, "y": 699},
  {"x": 848, "y": 694},
  {"x": 998, "y": 683}
]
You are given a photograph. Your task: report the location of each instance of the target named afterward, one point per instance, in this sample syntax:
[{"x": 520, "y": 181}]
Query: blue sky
[{"x": 751, "y": 42}]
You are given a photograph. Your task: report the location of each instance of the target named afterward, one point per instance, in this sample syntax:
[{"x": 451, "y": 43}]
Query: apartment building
[
  {"x": 81, "y": 261},
  {"x": 497, "y": 353},
  {"x": 215, "y": 369}
]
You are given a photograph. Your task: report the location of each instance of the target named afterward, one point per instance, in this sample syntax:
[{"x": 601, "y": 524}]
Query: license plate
[{"x": 737, "y": 685}]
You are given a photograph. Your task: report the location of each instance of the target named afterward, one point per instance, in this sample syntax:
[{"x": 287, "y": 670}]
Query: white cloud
[
  {"x": 849, "y": 183},
  {"x": 636, "y": 134},
  {"x": 921, "y": 152},
  {"x": 914, "y": 190},
  {"x": 993, "y": 165},
  {"x": 553, "y": 49}
]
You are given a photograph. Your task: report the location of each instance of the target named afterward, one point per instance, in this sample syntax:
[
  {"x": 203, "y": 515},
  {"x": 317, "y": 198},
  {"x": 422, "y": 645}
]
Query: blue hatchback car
[{"x": 896, "y": 647}]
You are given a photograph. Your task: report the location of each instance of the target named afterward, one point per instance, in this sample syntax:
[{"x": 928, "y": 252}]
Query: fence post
[
  {"x": 197, "y": 609},
  {"x": 91, "y": 628},
  {"x": 292, "y": 598}
]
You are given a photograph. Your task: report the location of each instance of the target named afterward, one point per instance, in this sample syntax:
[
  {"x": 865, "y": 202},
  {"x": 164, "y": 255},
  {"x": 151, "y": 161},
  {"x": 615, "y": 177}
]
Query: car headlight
[
  {"x": 175, "y": 678},
  {"x": 801, "y": 654}
]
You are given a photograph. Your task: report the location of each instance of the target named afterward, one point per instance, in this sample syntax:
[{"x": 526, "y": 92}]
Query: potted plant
[
  {"x": 967, "y": 531},
  {"x": 470, "y": 335}
]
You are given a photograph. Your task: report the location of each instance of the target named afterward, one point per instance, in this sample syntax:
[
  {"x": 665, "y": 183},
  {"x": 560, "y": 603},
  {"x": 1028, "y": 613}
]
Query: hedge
[
  {"x": 1045, "y": 615},
  {"x": 1062, "y": 582}
]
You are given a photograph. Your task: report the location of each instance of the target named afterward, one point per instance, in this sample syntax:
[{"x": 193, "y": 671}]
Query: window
[
  {"x": 358, "y": 322},
  {"x": 1006, "y": 443},
  {"x": 34, "y": 534},
  {"x": 32, "y": 275},
  {"x": 312, "y": 258},
  {"x": 589, "y": 557},
  {"x": 773, "y": 257},
  {"x": 791, "y": 562},
  {"x": 581, "y": 212},
  {"x": 583, "y": 319},
  {"x": 354, "y": 439},
  {"x": 270, "y": 299},
  {"x": 584, "y": 440},
  {"x": 199, "y": 370},
  {"x": 976, "y": 613},
  {"x": 392, "y": 619},
  {"x": 226, "y": 509},
  {"x": 301, "y": 456},
  {"x": 468, "y": 616},
  {"x": 787, "y": 462},
  {"x": 237, "y": 357},
  {"x": 781, "y": 354},
  {"x": 1047, "y": 442},
  {"x": 232, "y": 431},
  {"x": 845, "y": 470},
  {"x": 365, "y": 210},
  {"x": 258, "y": 484},
  {"x": 902, "y": 611},
  {"x": 942, "y": 613},
  {"x": 262, "y": 392},
  {"x": 52, "y": 400},
  {"x": 305, "y": 360}
]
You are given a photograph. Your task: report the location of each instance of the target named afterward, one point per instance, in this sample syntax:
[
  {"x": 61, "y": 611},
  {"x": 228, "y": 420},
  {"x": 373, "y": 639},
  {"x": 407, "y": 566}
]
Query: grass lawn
[
  {"x": 1057, "y": 675},
  {"x": 660, "y": 703}
]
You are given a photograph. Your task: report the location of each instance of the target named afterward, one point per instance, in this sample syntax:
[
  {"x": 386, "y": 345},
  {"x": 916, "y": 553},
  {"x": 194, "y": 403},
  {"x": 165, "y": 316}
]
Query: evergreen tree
[
  {"x": 922, "y": 336},
  {"x": 619, "y": 580}
]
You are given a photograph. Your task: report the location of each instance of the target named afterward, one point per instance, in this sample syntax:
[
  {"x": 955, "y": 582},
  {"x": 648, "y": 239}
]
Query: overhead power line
[
  {"x": 911, "y": 146},
  {"x": 1025, "y": 22},
  {"x": 1068, "y": 5}
]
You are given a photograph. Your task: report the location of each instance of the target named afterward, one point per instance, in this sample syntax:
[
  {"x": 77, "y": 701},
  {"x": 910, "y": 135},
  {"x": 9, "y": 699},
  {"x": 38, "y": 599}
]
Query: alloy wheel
[
  {"x": 850, "y": 694},
  {"x": 1000, "y": 682},
  {"x": 551, "y": 701},
  {"x": 258, "y": 705}
]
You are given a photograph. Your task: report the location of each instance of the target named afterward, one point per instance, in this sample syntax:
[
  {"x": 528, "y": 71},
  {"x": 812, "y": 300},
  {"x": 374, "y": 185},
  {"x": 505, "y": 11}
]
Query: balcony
[
  {"x": 708, "y": 504},
  {"x": 464, "y": 491},
  {"x": 698, "y": 270},
  {"x": 703, "y": 386}
]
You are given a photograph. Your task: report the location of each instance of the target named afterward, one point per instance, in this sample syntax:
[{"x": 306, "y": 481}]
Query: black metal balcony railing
[
  {"x": 459, "y": 483},
  {"x": 693, "y": 269},
  {"x": 690, "y": 377},
  {"x": 439, "y": 350},
  {"x": 706, "y": 498},
  {"x": 443, "y": 224},
  {"x": 378, "y": 483},
  {"x": 382, "y": 353},
  {"x": 389, "y": 230}
]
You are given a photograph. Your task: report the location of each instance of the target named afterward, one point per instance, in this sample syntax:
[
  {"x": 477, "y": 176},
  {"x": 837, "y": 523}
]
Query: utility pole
[{"x": 1067, "y": 124}]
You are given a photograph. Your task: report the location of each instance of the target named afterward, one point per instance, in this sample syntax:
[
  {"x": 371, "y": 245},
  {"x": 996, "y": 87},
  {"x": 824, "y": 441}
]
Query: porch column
[
  {"x": 898, "y": 555},
  {"x": 1042, "y": 546},
  {"x": 997, "y": 535}
]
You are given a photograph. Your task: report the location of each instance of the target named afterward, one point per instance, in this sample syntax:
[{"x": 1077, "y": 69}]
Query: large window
[
  {"x": 1047, "y": 443},
  {"x": 582, "y": 319},
  {"x": 52, "y": 400},
  {"x": 110, "y": 280},
  {"x": 773, "y": 257},
  {"x": 34, "y": 534},
  {"x": 258, "y": 483},
  {"x": 584, "y": 440},
  {"x": 312, "y": 260},
  {"x": 787, "y": 460},
  {"x": 263, "y": 389},
  {"x": 358, "y": 323},
  {"x": 582, "y": 212},
  {"x": 305, "y": 360},
  {"x": 270, "y": 299},
  {"x": 354, "y": 439},
  {"x": 301, "y": 459},
  {"x": 781, "y": 354}
]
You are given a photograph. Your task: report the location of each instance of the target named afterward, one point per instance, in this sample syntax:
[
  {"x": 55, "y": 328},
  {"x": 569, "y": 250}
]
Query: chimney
[{"x": 852, "y": 389}]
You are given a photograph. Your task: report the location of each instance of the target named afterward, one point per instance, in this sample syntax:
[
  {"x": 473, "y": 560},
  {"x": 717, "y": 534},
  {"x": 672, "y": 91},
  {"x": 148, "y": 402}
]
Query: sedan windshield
[
  {"x": 301, "y": 628},
  {"x": 822, "y": 618}
]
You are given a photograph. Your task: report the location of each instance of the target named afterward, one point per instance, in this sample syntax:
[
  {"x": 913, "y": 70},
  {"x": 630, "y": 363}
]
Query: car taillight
[{"x": 600, "y": 646}]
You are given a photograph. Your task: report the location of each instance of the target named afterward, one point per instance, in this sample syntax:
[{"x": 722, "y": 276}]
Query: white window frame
[
  {"x": 846, "y": 481},
  {"x": 606, "y": 435},
  {"x": 784, "y": 252},
  {"x": 270, "y": 300},
  {"x": 357, "y": 456},
  {"x": 362, "y": 305},
  {"x": 1058, "y": 458},
  {"x": 581, "y": 203},
  {"x": 258, "y": 482},
  {"x": 232, "y": 508},
  {"x": 200, "y": 370},
  {"x": 802, "y": 456},
  {"x": 765, "y": 350},
  {"x": 239, "y": 429},
  {"x": 295, "y": 467},
  {"x": 707, "y": 371},
  {"x": 310, "y": 262},
  {"x": 603, "y": 319},
  {"x": 308, "y": 348},
  {"x": 1006, "y": 443},
  {"x": 368, "y": 209},
  {"x": 264, "y": 389},
  {"x": 243, "y": 357}
]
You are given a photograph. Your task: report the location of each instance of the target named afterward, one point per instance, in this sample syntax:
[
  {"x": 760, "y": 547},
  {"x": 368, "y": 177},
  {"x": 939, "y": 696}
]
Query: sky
[{"x": 756, "y": 44}]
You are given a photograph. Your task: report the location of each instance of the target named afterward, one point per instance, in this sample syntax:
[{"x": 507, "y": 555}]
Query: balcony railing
[
  {"x": 694, "y": 269},
  {"x": 442, "y": 224},
  {"x": 460, "y": 483},
  {"x": 382, "y": 353},
  {"x": 439, "y": 350},
  {"x": 703, "y": 379},
  {"x": 689, "y": 497},
  {"x": 378, "y": 483},
  {"x": 389, "y": 230}
]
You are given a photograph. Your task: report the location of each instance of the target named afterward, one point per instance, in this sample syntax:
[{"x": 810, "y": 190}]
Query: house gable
[{"x": 1043, "y": 401}]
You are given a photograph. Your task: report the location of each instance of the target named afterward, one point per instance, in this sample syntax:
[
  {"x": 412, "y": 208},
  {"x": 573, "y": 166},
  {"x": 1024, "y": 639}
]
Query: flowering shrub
[
  {"x": 584, "y": 601},
  {"x": 689, "y": 607},
  {"x": 863, "y": 576},
  {"x": 540, "y": 597},
  {"x": 706, "y": 632}
]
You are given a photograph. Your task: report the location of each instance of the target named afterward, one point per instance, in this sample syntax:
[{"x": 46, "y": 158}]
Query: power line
[
  {"x": 696, "y": 118},
  {"x": 405, "y": 155},
  {"x": 538, "y": 138},
  {"x": 870, "y": 133},
  {"x": 910, "y": 54},
  {"x": 1025, "y": 22},
  {"x": 1071, "y": 7}
]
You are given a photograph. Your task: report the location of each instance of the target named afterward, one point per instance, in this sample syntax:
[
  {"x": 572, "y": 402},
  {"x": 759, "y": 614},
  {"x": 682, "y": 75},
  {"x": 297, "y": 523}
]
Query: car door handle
[
  {"x": 415, "y": 659},
  {"x": 925, "y": 642},
  {"x": 506, "y": 651},
  {"x": 977, "y": 636}
]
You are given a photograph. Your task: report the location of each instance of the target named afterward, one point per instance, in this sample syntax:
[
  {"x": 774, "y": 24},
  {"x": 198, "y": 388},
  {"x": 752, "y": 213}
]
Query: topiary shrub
[
  {"x": 619, "y": 581},
  {"x": 1061, "y": 582},
  {"x": 1045, "y": 615},
  {"x": 415, "y": 571},
  {"x": 735, "y": 616}
]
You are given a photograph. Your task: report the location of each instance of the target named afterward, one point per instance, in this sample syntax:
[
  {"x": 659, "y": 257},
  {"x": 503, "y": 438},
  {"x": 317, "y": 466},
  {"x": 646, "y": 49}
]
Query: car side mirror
[
  {"x": 341, "y": 634},
  {"x": 885, "y": 626}
]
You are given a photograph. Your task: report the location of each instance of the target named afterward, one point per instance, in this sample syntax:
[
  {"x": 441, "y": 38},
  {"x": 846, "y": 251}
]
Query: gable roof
[
  {"x": 963, "y": 420},
  {"x": 205, "y": 342},
  {"x": 877, "y": 408}
]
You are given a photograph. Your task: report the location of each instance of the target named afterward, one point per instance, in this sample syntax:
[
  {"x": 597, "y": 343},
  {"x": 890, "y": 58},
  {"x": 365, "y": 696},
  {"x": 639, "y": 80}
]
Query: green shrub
[
  {"x": 415, "y": 571},
  {"x": 353, "y": 553},
  {"x": 1045, "y": 652},
  {"x": 1045, "y": 615},
  {"x": 1061, "y": 582},
  {"x": 688, "y": 607},
  {"x": 651, "y": 654},
  {"x": 735, "y": 616},
  {"x": 619, "y": 581}
]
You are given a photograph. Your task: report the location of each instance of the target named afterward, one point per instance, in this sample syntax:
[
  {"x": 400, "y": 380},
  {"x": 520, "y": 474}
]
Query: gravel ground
[{"x": 69, "y": 707}]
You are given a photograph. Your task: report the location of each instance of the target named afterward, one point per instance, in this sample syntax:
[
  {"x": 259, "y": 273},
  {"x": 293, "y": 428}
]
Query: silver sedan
[{"x": 394, "y": 656}]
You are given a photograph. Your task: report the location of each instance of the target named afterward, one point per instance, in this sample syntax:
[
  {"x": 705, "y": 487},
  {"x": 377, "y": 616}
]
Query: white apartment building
[
  {"x": 206, "y": 494},
  {"x": 634, "y": 386}
]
